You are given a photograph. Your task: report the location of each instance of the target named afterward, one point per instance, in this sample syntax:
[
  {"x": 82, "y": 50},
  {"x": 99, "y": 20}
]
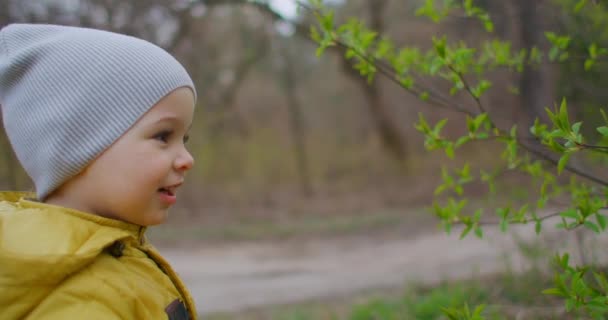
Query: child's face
[{"x": 136, "y": 178}]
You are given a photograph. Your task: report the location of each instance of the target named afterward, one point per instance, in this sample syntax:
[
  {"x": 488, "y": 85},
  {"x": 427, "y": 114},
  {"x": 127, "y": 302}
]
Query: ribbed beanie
[{"x": 68, "y": 93}]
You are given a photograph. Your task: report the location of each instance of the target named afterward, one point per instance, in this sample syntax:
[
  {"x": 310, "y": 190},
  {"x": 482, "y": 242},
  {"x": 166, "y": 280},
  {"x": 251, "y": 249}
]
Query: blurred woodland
[{"x": 280, "y": 133}]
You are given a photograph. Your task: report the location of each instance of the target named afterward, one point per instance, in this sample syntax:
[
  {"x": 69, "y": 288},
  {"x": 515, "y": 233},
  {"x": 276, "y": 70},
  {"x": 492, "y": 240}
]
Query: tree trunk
[
  {"x": 390, "y": 134},
  {"x": 296, "y": 123},
  {"x": 536, "y": 84}
]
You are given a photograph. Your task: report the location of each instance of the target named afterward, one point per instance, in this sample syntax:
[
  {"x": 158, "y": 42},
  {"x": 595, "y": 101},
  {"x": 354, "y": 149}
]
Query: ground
[{"x": 232, "y": 277}]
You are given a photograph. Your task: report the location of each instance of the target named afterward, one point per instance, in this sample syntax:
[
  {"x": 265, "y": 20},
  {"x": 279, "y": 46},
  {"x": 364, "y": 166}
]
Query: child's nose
[{"x": 184, "y": 161}]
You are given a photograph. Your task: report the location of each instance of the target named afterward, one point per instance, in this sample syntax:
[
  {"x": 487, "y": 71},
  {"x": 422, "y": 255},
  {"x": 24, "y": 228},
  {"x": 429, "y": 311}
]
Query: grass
[
  {"x": 417, "y": 303},
  {"x": 506, "y": 296}
]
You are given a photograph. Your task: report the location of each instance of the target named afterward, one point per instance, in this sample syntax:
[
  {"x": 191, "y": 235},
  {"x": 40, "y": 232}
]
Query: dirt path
[{"x": 236, "y": 277}]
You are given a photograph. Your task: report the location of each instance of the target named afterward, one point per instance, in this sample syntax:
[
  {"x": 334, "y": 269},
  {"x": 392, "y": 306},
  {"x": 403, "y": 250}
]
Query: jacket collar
[{"x": 28, "y": 200}]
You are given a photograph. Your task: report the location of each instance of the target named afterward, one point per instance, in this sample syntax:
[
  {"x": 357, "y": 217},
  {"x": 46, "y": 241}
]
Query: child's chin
[{"x": 157, "y": 218}]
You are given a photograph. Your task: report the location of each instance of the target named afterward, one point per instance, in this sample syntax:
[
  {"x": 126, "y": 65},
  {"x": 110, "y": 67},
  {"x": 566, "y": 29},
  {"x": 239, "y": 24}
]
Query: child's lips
[
  {"x": 167, "y": 198},
  {"x": 170, "y": 189},
  {"x": 167, "y": 194}
]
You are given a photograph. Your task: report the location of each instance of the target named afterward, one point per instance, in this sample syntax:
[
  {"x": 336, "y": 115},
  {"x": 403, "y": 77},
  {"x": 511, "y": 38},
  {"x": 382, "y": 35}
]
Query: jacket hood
[{"x": 41, "y": 245}]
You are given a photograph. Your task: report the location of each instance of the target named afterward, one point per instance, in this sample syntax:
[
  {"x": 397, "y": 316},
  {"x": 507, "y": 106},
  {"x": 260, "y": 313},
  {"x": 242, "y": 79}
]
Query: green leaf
[
  {"x": 481, "y": 88},
  {"x": 564, "y": 260},
  {"x": 563, "y": 115},
  {"x": 604, "y": 116},
  {"x": 422, "y": 125},
  {"x": 504, "y": 225},
  {"x": 563, "y": 161},
  {"x": 603, "y": 131},
  {"x": 466, "y": 231},
  {"x": 447, "y": 227},
  {"x": 424, "y": 96},
  {"x": 520, "y": 215},
  {"x": 554, "y": 292},
  {"x": 439, "y": 125},
  {"x": 440, "y": 46},
  {"x": 593, "y": 50},
  {"x": 350, "y": 53},
  {"x": 601, "y": 220},
  {"x": 478, "y": 311},
  {"x": 462, "y": 140},
  {"x": 538, "y": 227},
  {"x": 479, "y": 232},
  {"x": 592, "y": 226},
  {"x": 440, "y": 189},
  {"x": 542, "y": 202},
  {"x": 384, "y": 49},
  {"x": 449, "y": 151},
  {"x": 488, "y": 25},
  {"x": 480, "y": 119},
  {"x": 317, "y": 4},
  {"x": 429, "y": 10},
  {"x": 471, "y": 125},
  {"x": 458, "y": 189},
  {"x": 435, "y": 66},
  {"x": 314, "y": 34},
  {"x": 513, "y": 132},
  {"x": 477, "y": 215},
  {"x": 570, "y": 213},
  {"x": 553, "y": 52},
  {"x": 407, "y": 82},
  {"x": 579, "y": 6},
  {"x": 327, "y": 20},
  {"x": 576, "y": 127},
  {"x": 600, "y": 278}
]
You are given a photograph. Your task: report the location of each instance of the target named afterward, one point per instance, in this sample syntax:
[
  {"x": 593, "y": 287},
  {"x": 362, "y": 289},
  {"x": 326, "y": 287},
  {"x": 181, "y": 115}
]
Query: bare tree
[
  {"x": 535, "y": 86},
  {"x": 388, "y": 130},
  {"x": 289, "y": 85}
]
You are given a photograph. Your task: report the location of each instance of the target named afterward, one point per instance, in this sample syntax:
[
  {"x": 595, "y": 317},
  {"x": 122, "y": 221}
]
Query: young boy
[{"x": 99, "y": 121}]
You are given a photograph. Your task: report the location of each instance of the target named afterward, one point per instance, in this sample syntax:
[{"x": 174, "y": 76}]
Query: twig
[
  {"x": 580, "y": 239},
  {"x": 524, "y": 221},
  {"x": 570, "y": 168},
  {"x": 602, "y": 149},
  {"x": 468, "y": 89},
  {"x": 439, "y": 100}
]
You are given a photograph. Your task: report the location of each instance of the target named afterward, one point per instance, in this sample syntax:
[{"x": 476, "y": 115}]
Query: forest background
[
  {"x": 280, "y": 133},
  {"x": 289, "y": 144}
]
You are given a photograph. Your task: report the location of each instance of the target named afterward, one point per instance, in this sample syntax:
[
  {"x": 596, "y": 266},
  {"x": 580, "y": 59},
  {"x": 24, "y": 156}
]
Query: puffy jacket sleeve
[
  {"x": 85, "y": 297},
  {"x": 109, "y": 289},
  {"x": 80, "y": 309}
]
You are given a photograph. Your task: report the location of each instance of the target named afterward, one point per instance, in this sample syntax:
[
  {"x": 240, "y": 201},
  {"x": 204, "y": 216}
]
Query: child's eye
[
  {"x": 186, "y": 138},
  {"x": 163, "y": 135}
]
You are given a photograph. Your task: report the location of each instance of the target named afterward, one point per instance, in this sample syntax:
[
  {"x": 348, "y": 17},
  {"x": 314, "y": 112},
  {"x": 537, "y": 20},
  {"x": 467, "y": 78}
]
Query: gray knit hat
[{"x": 67, "y": 93}]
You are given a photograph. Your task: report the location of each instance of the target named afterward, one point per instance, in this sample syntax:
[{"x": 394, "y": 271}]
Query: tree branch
[
  {"x": 529, "y": 220},
  {"x": 570, "y": 168}
]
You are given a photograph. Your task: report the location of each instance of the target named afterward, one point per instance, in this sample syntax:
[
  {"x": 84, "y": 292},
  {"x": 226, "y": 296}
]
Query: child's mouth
[
  {"x": 166, "y": 191},
  {"x": 167, "y": 195}
]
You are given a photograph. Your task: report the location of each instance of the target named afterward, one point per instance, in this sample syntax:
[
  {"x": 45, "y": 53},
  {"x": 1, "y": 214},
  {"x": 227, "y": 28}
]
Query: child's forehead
[{"x": 177, "y": 107}]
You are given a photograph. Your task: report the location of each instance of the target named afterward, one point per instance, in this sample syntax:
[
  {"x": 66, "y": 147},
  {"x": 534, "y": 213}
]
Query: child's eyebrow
[
  {"x": 173, "y": 119},
  {"x": 167, "y": 119}
]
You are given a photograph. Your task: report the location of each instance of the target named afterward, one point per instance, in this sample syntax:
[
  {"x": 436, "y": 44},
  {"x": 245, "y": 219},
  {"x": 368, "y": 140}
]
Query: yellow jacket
[{"x": 58, "y": 263}]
